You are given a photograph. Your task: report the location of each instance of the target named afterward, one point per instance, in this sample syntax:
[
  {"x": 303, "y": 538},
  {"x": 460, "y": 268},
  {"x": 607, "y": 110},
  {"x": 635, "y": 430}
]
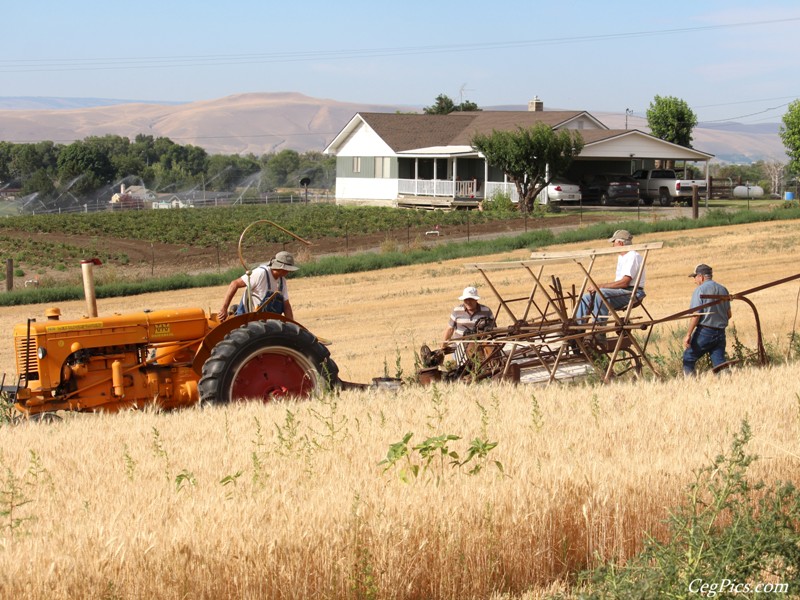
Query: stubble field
[{"x": 289, "y": 501}]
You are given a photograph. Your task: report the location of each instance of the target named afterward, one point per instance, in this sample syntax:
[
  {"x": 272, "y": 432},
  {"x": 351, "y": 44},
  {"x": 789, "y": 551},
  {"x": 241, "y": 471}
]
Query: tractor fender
[{"x": 218, "y": 333}]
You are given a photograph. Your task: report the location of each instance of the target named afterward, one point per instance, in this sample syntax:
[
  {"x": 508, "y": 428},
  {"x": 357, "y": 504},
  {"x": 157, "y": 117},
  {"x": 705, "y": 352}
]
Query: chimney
[
  {"x": 122, "y": 189},
  {"x": 535, "y": 105}
]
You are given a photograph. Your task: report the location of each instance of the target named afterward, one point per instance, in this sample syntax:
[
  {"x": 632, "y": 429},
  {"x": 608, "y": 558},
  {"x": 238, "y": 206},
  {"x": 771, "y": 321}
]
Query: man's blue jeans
[
  {"x": 592, "y": 304},
  {"x": 704, "y": 341}
]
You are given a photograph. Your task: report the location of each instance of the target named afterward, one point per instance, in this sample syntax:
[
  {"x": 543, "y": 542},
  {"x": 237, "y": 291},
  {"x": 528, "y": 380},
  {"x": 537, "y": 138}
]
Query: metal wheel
[
  {"x": 627, "y": 364},
  {"x": 266, "y": 360},
  {"x": 604, "y": 199},
  {"x": 664, "y": 199}
]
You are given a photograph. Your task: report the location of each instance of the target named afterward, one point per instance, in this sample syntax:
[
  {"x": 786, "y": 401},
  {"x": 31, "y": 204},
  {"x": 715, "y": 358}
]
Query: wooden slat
[
  {"x": 515, "y": 264},
  {"x": 588, "y": 253},
  {"x": 553, "y": 258}
]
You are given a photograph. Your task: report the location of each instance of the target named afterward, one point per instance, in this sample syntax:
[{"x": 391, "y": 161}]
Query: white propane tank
[{"x": 748, "y": 191}]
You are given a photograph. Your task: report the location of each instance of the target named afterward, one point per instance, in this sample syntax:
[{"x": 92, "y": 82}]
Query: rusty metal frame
[{"x": 543, "y": 330}]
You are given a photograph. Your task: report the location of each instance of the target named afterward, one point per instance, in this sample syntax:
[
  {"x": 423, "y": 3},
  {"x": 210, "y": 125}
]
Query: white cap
[{"x": 470, "y": 292}]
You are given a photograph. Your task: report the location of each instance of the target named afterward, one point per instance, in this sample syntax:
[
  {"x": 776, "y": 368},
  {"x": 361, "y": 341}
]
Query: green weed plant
[
  {"x": 433, "y": 454},
  {"x": 729, "y": 529}
]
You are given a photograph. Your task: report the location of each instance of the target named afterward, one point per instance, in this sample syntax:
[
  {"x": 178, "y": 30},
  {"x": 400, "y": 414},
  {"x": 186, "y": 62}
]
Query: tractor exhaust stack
[{"x": 87, "y": 269}]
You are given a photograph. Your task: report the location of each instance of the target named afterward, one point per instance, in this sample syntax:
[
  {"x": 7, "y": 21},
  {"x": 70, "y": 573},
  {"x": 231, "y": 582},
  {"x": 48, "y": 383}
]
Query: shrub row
[{"x": 212, "y": 226}]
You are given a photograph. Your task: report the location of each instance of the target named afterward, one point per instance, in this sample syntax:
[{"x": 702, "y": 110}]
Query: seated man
[
  {"x": 265, "y": 281},
  {"x": 465, "y": 320},
  {"x": 618, "y": 292}
]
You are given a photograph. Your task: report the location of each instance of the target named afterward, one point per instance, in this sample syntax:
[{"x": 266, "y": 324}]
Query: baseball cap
[
  {"x": 621, "y": 234},
  {"x": 283, "y": 260},
  {"x": 469, "y": 292},
  {"x": 701, "y": 269}
]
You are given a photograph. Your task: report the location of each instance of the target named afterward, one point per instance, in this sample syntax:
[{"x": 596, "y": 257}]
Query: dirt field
[{"x": 146, "y": 259}]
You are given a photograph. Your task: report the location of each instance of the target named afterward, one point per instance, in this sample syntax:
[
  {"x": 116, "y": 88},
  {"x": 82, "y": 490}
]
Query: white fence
[
  {"x": 498, "y": 187},
  {"x": 437, "y": 187}
]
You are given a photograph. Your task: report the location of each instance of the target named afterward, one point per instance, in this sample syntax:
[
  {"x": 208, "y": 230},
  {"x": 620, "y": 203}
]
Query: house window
[
  {"x": 356, "y": 164},
  {"x": 382, "y": 167}
]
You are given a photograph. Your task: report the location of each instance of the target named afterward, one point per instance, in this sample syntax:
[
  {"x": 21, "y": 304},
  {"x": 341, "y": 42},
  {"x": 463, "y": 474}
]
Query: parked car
[
  {"x": 611, "y": 188},
  {"x": 563, "y": 190}
]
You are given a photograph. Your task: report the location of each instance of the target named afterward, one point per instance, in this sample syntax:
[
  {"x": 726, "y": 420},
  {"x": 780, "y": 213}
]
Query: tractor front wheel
[{"x": 266, "y": 360}]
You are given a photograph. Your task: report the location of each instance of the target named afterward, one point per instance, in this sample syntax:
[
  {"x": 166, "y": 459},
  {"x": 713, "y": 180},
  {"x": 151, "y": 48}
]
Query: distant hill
[
  {"x": 260, "y": 123},
  {"x": 246, "y": 123},
  {"x": 50, "y": 103}
]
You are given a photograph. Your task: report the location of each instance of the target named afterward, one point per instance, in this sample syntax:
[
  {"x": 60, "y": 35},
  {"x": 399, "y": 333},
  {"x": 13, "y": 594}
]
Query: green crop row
[
  {"x": 208, "y": 227},
  {"x": 36, "y": 254}
]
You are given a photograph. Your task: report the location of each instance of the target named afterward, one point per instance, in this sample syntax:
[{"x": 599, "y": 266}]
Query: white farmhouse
[{"x": 393, "y": 159}]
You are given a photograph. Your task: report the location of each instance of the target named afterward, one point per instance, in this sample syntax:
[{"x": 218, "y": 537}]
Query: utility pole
[{"x": 628, "y": 111}]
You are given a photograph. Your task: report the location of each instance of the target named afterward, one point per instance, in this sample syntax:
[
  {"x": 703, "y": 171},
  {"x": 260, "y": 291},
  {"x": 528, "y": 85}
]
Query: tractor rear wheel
[{"x": 266, "y": 360}]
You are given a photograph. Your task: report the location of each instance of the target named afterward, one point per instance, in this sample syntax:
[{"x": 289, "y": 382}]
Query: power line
[
  {"x": 642, "y": 115},
  {"x": 749, "y": 101},
  {"x": 196, "y": 137},
  {"x": 761, "y": 112},
  {"x": 161, "y": 62}
]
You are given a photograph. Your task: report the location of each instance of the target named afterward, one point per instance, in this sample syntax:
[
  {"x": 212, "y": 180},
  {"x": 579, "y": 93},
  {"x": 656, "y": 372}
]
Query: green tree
[
  {"x": 6, "y": 153},
  {"x": 225, "y": 173},
  {"x": 143, "y": 146},
  {"x": 128, "y": 164},
  {"x": 281, "y": 167},
  {"x": 318, "y": 168},
  {"x": 111, "y": 145},
  {"x": 195, "y": 159},
  {"x": 790, "y": 134},
  {"x": 444, "y": 105},
  {"x": 39, "y": 182},
  {"x": 530, "y": 157},
  {"x": 26, "y": 159},
  {"x": 671, "y": 120},
  {"x": 162, "y": 179},
  {"x": 83, "y": 167}
]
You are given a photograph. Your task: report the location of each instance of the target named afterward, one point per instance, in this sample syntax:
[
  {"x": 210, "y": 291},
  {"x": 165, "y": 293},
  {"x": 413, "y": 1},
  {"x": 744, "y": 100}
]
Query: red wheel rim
[{"x": 273, "y": 373}]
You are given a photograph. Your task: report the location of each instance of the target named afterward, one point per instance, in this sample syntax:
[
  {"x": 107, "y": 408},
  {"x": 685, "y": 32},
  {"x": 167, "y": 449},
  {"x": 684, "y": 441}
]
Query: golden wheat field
[{"x": 289, "y": 500}]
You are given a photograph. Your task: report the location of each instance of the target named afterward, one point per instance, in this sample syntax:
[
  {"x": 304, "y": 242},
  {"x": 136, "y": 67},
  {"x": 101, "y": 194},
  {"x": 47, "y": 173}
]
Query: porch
[
  {"x": 446, "y": 193},
  {"x": 448, "y": 181},
  {"x": 439, "y": 188}
]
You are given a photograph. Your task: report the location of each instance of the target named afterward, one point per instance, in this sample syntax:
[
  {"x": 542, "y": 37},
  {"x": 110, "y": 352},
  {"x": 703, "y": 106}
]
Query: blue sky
[{"x": 730, "y": 60}]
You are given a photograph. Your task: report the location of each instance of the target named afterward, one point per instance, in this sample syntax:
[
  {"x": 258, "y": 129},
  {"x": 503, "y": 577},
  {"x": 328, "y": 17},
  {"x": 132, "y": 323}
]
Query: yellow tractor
[{"x": 170, "y": 358}]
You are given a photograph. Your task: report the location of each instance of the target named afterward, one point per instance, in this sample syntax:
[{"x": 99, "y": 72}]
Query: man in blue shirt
[{"x": 706, "y": 334}]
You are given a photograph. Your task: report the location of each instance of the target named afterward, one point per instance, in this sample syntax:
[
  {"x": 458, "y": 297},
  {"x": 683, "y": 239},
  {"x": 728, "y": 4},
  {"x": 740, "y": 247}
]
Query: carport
[{"x": 624, "y": 151}]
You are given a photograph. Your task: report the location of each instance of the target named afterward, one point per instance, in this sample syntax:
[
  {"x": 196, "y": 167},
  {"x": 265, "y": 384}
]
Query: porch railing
[
  {"x": 498, "y": 187},
  {"x": 438, "y": 187}
]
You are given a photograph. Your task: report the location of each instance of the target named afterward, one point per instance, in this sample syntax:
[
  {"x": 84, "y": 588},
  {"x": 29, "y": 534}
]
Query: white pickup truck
[{"x": 663, "y": 185}]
